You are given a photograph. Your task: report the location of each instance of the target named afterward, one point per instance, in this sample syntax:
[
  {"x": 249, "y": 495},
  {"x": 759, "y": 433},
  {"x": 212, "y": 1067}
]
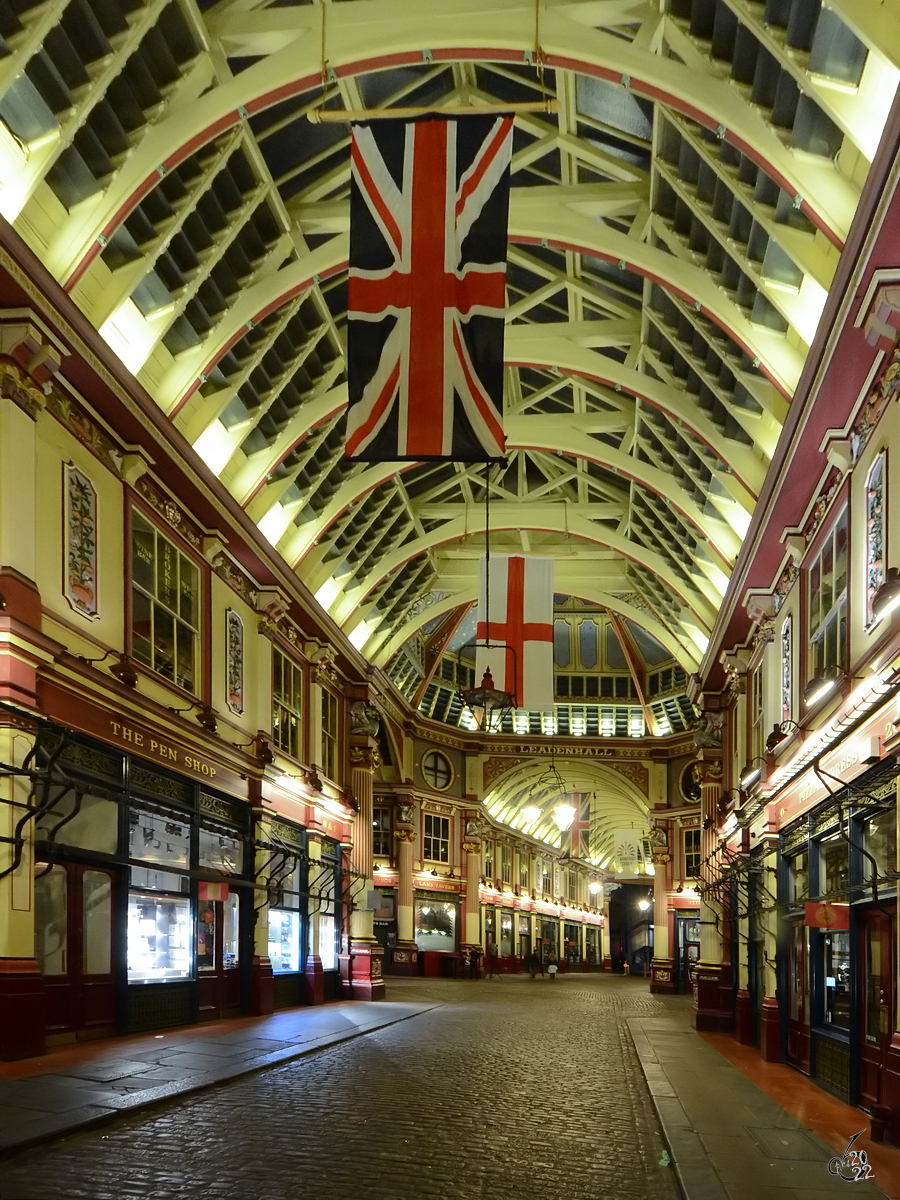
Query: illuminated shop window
[
  {"x": 436, "y": 841},
  {"x": 837, "y": 978},
  {"x": 435, "y": 924},
  {"x": 160, "y": 938},
  {"x": 287, "y": 700},
  {"x": 165, "y": 599},
  {"x": 160, "y": 840},
  {"x": 284, "y": 916}
]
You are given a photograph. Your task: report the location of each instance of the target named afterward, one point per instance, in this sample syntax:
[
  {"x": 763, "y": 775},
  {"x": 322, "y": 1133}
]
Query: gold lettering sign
[{"x": 162, "y": 751}]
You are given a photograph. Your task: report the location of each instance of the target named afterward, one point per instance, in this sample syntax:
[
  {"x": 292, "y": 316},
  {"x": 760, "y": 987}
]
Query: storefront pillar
[
  {"x": 22, "y": 1019},
  {"x": 605, "y": 952},
  {"x": 743, "y": 1014},
  {"x": 889, "y": 1117},
  {"x": 361, "y": 966},
  {"x": 262, "y": 980},
  {"x": 712, "y": 1008},
  {"x": 472, "y": 924},
  {"x": 405, "y": 955},
  {"x": 662, "y": 969},
  {"x": 314, "y": 972}
]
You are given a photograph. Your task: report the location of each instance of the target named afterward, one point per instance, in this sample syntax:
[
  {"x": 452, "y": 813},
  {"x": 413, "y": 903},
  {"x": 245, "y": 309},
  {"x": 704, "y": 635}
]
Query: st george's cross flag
[
  {"x": 521, "y": 628},
  {"x": 577, "y": 838},
  {"x": 429, "y": 202}
]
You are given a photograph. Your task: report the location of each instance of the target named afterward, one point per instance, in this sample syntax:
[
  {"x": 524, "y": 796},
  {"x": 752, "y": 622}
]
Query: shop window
[
  {"x": 91, "y": 825},
  {"x": 221, "y": 851},
  {"x": 506, "y": 860},
  {"x": 96, "y": 923},
  {"x": 287, "y": 700},
  {"x": 837, "y": 978},
  {"x": 330, "y": 734},
  {"x": 875, "y": 512},
  {"x": 165, "y": 599},
  {"x": 828, "y": 603},
  {"x": 161, "y": 841},
  {"x": 230, "y": 931},
  {"x": 572, "y": 886},
  {"x": 51, "y": 920},
  {"x": 834, "y": 865},
  {"x": 506, "y": 933},
  {"x": 437, "y": 770},
  {"x": 160, "y": 937},
  {"x": 489, "y": 860},
  {"x": 327, "y": 893},
  {"x": 546, "y": 883},
  {"x": 691, "y": 843},
  {"x": 381, "y": 832},
  {"x": 435, "y": 925},
  {"x": 285, "y": 917},
  {"x": 798, "y": 878},
  {"x": 436, "y": 846},
  {"x": 880, "y": 840}
]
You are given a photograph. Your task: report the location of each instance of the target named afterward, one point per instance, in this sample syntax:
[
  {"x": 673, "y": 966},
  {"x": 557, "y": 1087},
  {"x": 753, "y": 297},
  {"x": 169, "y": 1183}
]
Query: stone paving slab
[
  {"x": 727, "y": 1138},
  {"x": 40, "y": 1107}
]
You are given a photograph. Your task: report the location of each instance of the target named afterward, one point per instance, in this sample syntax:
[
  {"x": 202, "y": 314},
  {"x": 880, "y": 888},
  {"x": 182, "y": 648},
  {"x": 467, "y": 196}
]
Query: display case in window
[
  {"x": 160, "y": 938},
  {"x": 206, "y": 937},
  {"x": 284, "y": 940},
  {"x": 161, "y": 841},
  {"x": 230, "y": 931}
]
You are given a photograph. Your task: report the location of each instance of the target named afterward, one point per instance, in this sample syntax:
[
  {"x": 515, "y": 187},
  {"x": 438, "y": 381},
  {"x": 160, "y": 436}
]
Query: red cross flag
[
  {"x": 429, "y": 202},
  {"x": 521, "y": 627}
]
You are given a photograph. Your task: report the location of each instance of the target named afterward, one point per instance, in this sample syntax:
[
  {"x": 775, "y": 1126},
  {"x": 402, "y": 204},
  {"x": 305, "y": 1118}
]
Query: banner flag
[
  {"x": 429, "y": 205},
  {"x": 521, "y": 627}
]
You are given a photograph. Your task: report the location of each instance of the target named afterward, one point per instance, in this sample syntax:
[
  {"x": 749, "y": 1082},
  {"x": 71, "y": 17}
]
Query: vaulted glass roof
[{"x": 674, "y": 231}]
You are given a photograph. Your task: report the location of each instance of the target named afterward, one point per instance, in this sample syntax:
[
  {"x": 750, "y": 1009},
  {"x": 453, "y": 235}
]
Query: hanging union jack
[{"x": 428, "y": 214}]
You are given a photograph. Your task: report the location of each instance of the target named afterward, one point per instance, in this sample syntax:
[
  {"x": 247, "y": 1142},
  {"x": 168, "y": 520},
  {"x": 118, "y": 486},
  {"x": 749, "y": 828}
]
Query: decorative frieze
[
  {"x": 170, "y": 512},
  {"x": 234, "y": 661},
  {"x": 80, "y": 587}
]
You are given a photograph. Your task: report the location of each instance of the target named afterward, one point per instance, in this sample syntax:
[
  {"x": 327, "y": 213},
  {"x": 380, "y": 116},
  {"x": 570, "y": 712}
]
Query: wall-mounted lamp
[
  {"x": 122, "y": 668},
  {"x": 779, "y": 733},
  {"x": 887, "y": 595},
  {"x": 751, "y": 772},
  {"x": 204, "y": 716},
  {"x": 819, "y": 686}
]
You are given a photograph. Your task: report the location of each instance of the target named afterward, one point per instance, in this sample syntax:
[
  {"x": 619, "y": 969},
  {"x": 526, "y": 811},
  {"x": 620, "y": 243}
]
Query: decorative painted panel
[
  {"x": 81, "y": 543},
  {"x": 234, "y": 659},
  {"x": 874, "y": 531},
  {"x": 787, "y": 669}
]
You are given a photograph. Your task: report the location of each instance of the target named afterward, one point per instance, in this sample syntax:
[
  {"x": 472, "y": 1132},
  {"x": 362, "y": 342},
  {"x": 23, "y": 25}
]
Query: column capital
[
  {"x": 405, "y": 835},
  {"x": 365, "y": 757},
  {"x": 470, "y": 847}
]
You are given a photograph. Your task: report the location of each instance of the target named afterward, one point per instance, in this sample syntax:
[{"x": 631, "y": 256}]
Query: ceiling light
[
  {"x": 564, "y": 815},
  {"x": 531, "y": 812}
]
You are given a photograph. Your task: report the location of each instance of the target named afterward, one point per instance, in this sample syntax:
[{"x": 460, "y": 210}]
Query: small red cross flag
[{"x": 521, "y": 628}]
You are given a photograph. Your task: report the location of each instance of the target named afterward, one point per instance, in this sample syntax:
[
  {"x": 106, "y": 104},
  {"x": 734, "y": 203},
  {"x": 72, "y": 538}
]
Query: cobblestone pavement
[{"x": 512, "y": 1088}]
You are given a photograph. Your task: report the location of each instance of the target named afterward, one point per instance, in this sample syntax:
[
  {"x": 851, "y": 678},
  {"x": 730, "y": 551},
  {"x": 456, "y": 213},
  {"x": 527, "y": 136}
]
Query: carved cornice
[{"x": 170, "y": 512}]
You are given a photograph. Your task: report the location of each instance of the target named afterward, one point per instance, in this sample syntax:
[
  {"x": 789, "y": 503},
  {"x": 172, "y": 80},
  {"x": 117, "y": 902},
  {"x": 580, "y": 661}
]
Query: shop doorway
[
  {"x": 76, "y": 947},
  {"x": 218, "y": 973},
  {"x": 876, "y": 964},
  {"x": 798, "y": 996}
]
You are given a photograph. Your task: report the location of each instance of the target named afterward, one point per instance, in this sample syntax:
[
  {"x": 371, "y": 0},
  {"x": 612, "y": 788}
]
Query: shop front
[
  {"x": 141, "y": 898},
  {"x": 592, "y": 947},
  {"x": 687, "y": 947},
  {"x": 573, "y": 950},
  {"x": 549, "y": 938}
]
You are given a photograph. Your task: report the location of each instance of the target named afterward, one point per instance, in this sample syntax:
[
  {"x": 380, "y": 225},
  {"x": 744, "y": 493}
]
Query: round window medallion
[{"x": 437, "y": 770}]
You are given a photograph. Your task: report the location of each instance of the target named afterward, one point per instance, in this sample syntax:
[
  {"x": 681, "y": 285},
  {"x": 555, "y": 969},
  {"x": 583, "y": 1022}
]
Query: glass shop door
[
  {"x": 798, "y": 996},
  {"x": 876, "y": 964},
  {"x": 218, "y": 974},
  {"x": 76, "y": 948}
]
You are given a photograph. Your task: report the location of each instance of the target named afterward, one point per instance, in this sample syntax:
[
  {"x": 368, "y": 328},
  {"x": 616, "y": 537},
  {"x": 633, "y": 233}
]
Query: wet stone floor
[{"x": 512, "y": 1088}]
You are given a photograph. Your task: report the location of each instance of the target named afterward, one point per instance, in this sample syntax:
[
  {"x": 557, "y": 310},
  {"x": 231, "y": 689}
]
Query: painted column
[
  {"x": 262, "y": 981},
  {"x": 886, "y": 1120},
  {"x": 405, "y": 955},
  {"x": 712, "y": 1007},
  {"x": 361, "y": 966},
  {"x": 315, "y": 974},
  {"x": 605, "y": 952},
  {"x": 472, "y": 924},
  {"x": 662, "y": 968}
]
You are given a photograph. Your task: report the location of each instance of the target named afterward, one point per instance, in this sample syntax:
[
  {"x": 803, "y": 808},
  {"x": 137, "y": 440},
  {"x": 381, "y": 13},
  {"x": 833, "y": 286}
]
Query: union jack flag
[
  {"x": 578, "y": 839},
  {"x": 429, "y": 202}
]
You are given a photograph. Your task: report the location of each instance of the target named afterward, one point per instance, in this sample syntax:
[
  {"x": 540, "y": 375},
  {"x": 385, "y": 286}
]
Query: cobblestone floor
[{"x": 513, "y": 1088}]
